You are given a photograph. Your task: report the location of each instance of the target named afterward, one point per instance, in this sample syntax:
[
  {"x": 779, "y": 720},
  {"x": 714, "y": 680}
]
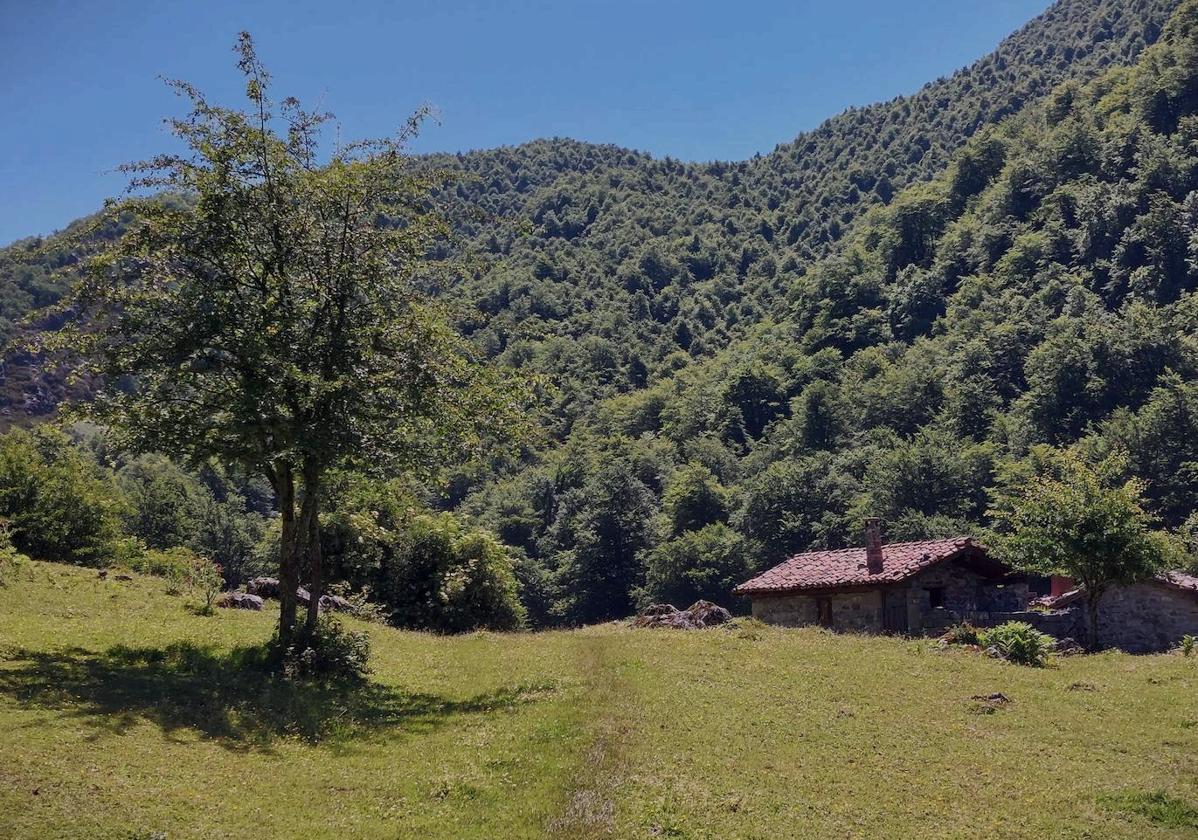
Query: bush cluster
[
  {"x": 330, "y": 652},
  {"x": 963, "y": 634},
  {"x": 10, "y": 558}
]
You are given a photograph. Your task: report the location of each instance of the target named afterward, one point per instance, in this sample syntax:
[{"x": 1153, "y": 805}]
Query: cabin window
[{"x": 936, "y": 597}]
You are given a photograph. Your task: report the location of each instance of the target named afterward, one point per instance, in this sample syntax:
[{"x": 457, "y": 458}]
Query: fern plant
[{"x": 1019, "y": 642}]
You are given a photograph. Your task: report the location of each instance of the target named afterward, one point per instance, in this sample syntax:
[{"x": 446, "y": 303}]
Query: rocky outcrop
[
  {"x": 239, "y": 601},
  {"x": 263, "y": 587},
  {"x": 268, "y": 587},
  {"x": 335, "y": 603},
  {"x": 697, "y": 616}
]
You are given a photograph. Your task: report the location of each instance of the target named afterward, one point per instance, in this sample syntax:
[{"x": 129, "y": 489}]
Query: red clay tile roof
[
  {"x": 846, "y": 567},
  {"x": 1177, "y": 580}
]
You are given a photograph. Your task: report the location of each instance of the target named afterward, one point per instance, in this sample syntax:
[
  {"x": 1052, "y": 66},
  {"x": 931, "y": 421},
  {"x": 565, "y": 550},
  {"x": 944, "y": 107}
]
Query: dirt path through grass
[{"x": 590, "y": 808}]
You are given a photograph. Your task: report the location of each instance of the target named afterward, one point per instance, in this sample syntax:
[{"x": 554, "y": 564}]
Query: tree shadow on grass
[{"x": 227, "y": 696}]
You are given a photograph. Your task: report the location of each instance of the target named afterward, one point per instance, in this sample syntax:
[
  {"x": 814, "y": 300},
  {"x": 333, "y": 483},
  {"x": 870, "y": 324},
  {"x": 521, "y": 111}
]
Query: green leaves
[
  {"x": 1068, "y": 517},
  {"x": 58, "y": 505},
  {"x": 270, "y": 315}
]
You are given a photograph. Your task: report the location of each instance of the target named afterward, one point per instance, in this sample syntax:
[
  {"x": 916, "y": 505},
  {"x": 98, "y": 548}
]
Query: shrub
[
  {"x": 162, "y": 501},
  {"x": 182, "y": 569},
  {"x": 228, "y": 533},
  {"x": 1019, "y": 642},
  {"x": 438, "y": 575},
  {"x": 963, "y": 634},
  {"x": 206, "y": 577},
  {"x": 174, "y": 564},
  {"x": 698, "y": 564},
  {"x": 10, "y": 558},
  {"x": 1188, "y": 644},
  {"x": 361, "y": 605},
  {"x": 60, "y": 504},
  {"x": 168, "y": 506},
  {"x": 328, "y": 653}
]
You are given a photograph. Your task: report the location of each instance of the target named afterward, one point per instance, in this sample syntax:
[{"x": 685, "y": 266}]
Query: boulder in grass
[
  {"x": 655, "y": 615},
  {"x": 335, "y": 603},
  {"x": 239, "y": 601},
  {"x": 268, "y": 587},
  {"x": 681, "y": 620},
  {"x": 263, "y": 587},
  {"x": 1067, "y": 647}
]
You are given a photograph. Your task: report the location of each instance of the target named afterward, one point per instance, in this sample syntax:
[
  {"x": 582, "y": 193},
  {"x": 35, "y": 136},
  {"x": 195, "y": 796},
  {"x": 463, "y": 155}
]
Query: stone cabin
[
  {"x": 912, "y": 587},
  {"x": 924, "y": 587},
  {"x": 1141, "y": 618}
]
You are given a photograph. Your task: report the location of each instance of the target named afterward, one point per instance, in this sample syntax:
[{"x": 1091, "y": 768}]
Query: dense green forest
[{"x": 886, "y": 316}]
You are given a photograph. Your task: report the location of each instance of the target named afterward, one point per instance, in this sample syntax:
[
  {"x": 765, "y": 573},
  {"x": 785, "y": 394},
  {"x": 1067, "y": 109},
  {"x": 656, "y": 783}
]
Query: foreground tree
[
  {"x": 270, "y": 315},
  {"x": 1085, "y": 522}
]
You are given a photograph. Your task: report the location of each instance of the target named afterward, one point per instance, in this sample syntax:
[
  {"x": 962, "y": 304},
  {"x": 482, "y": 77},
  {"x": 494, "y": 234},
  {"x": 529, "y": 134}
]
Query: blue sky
[{"x": 697, "y": 80}]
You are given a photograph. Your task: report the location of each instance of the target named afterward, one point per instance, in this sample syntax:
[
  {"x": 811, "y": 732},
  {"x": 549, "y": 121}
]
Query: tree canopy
[
  {"x": 1084, "y": 522},
  {"x": 271, "y": 317}
]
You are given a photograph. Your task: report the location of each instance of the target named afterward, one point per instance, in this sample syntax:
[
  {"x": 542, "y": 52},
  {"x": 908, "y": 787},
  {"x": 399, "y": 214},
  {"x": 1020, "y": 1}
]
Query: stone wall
[
  {"x": 1145, "y": 617},
  {"x": 965, "y": 593},
  {"x": 1060, "y": 624},
  {"x": 851, "y": 611},
  {"x": 786, "y": 610},
  {"x": 858, "y": 611}
]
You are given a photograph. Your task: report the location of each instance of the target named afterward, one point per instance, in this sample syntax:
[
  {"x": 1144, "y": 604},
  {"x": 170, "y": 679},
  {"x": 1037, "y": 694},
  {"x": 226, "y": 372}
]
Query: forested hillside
[
  {"x": 883, "y": 316},
  {"x": 638, "y": 259},
  {"x": 642, "y": 258},
  {"x": 1037, "y": 292}
]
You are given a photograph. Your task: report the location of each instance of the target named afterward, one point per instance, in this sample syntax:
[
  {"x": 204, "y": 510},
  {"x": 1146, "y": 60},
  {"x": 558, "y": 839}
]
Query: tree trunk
[
  {"x": 1092, "y": 599},
  {"x": 309, "y": 532},
  {"x": 288, "y": 554}
]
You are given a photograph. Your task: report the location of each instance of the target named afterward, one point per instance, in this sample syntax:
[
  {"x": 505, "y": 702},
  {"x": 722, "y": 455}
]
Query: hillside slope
[
  {"x": 748, "y": 358},
  {"x": 1039, "y": 292},
  {"x": 122, "y": 714},
  {"x": 635, "y": 259},
  {"x": 645, "y": 257}
]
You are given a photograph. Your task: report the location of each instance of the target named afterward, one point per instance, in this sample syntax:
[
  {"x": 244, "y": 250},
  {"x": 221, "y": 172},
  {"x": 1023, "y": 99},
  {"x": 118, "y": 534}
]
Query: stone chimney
[{"x": 873, "y": 545}]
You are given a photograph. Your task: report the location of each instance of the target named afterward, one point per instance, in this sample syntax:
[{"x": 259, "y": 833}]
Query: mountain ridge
[{"x": 750, "y": 356}]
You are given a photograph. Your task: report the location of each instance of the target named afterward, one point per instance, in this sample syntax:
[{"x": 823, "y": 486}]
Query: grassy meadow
[{"x": 125, "y": 714}]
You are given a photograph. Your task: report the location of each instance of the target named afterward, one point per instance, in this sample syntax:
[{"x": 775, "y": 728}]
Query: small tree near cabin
[
  {"x": 1084, "y": 522},
  {"x": 270, "y": 316}
]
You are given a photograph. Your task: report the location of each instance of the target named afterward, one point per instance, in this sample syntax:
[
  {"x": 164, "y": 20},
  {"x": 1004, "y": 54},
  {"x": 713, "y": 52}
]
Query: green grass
[
  {"x": 122, "y": 713},
  {"x": 1159, "y": 807}
]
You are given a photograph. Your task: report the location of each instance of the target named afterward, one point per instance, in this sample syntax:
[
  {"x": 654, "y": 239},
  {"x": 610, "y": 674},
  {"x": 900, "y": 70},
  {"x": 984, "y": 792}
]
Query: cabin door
[
  {"x": 894, "y": 612},
  {"x": 823, "y": 606}
]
